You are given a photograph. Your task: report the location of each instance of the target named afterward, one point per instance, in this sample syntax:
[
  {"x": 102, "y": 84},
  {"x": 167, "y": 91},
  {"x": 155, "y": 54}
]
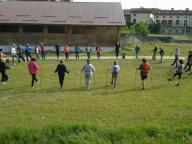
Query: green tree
[
  {"x": 142, "y": 29},
  {"x": 155, "y": 28}
]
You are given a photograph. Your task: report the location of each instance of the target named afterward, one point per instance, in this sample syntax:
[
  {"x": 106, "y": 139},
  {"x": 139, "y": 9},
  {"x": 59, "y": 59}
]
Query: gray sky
[{"x": 163, "y": 4}]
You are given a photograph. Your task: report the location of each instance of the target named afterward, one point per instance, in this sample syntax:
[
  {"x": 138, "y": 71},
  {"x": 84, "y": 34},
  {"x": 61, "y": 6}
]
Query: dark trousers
[
  {"x": 116, "y": 53},
  {"x": 57, "y": 54},
  {"x": 179, "y": 75},
  {"x": 88, "y": 55},
  {"x": 61, "y": 79},
  {"x": 98, "y": 55},
  {"x": 21, "y": 57},
  {"x": 66, "y": 55},
  {"x": 28, "y": 55},
  {"x": 77, "y": 55},
  {"x": 13, "y": 58},
  {"x": 175, "y": 62},
  {"x": 4, "y": 76},
  {"x": 43, "y": 55},
  {"x": 34, "y": 79}
]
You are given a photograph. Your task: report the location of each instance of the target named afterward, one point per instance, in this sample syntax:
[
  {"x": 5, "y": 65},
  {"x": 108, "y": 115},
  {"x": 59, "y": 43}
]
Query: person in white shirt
[
  {"x": 14, "y": 54},
  {"x": 88, "y": 51},
  {"x": 115, "y": 69},
  {"x": 88, "y": 70}
]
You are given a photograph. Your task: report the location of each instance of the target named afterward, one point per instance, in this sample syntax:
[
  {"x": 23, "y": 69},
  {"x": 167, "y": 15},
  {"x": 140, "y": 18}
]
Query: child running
[
  {"x": 33, "y": 68},
  {"x": 144, "y": 71},
  {"x": 61, "y": 69},
  {"x": 179, "y": 71}
]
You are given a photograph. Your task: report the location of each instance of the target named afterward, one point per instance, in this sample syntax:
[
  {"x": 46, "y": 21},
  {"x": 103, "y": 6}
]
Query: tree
[
  {"x": 155, "y": 28},
  {"x": 142, "y": 29}
]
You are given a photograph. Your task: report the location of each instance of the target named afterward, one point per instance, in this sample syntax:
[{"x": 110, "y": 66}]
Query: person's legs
[
  {"x": 13, "y": 59},
  {"x": 33, "y": 79},
  {"x": 57, "y": 54},
  {"x": 88, "y": 79},
  {"x": 161, "y": 59},
  {"x": 186, "y": 65},
  {"x": 61, "y": 80}
]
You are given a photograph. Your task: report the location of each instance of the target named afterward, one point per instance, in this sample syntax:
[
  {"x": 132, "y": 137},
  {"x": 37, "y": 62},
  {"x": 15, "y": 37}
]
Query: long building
[
  {"x": 67, "y": 22},
  {"x": 172, "y": 21}
]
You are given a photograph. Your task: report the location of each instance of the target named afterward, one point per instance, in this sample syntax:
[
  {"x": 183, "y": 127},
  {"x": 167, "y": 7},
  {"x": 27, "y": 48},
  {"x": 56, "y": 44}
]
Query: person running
[
  {"x": 61, "y": 69},
  {"x": 33, "y": 69},
  {"x": 161, "y": 52},
  {"x": 144, "y": 71},
  {"x": 66, "y": 51},
  {"x": 179, "y": 72},
  {"x": 88, "y": 69},
  {"x": 3, "y": 68},
  {"x": 57, "y": 50},
  {"x": 88, "y": 51},
  {"x": 137, "y": 51},
  {"x": 14, "y": 54},
  {"x": 189, "y": 62},
  {"x": 36, "y": 51},
  {"x": 77, "y": 51},
  {"x": 177, "y": 54},
  {"x": 43, "y": 50},
  {"x": 28, "y": 51},
  {"x": 98, "y": 51},
  {"x": 115, "y": 69},
  {"x": 20, "y": 52},
  {"x": 117, "y": 47},
  {"x": 154, "y": 53}
]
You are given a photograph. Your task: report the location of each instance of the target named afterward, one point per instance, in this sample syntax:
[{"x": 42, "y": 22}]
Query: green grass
[{"x": 163, "y": 107}]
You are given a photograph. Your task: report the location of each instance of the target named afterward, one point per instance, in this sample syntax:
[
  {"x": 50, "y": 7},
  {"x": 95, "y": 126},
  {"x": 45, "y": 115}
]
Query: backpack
[{"x": 145, "y": 68}]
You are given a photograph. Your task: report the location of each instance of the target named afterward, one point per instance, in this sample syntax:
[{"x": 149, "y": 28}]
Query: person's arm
[
  {"x": 83, "y": 69},
  {"x": 93, "y": 69},
  {"x": 65, "y": 69},
  {"x": 138, "y": 68},
  {"x": 56, "y": 70}
]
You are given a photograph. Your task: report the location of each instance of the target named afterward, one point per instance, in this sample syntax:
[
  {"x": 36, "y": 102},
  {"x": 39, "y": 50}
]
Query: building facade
[
  {"x": 172, "y": 21},
  {"x": 72, "y": 23}
]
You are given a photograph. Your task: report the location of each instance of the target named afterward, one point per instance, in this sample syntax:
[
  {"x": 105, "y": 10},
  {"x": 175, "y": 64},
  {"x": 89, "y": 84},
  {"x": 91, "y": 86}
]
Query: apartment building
[{"x": 172, "y": 21}]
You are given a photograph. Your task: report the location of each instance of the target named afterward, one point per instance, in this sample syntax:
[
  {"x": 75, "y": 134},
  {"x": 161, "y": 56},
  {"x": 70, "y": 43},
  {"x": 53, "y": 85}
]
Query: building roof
[
  {"x": 157, "y": 11},
  {"x": 73, "y": 13}
]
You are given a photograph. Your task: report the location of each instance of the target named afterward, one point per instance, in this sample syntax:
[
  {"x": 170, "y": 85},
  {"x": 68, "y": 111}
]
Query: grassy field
[{"x": 99, "y": 115}]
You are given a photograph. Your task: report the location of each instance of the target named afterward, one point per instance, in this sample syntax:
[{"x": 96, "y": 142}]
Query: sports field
[{"x": 46, "y": 114}]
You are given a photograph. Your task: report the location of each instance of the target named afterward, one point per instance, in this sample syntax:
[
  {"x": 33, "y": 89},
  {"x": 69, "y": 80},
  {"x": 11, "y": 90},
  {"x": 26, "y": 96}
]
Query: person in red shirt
[
  {"x": 66, "y": 51},
  {"x": 43, "y": 50},
  {"x": 98, "y": 51},
  {"x": 33, "y": 69}
]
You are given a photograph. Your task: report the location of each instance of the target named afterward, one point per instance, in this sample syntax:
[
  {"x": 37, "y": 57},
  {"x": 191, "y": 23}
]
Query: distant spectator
[
  {"x": 98, "y": 51},
  {"x": 161, "y": 52},
  {"x": 57, "y": 50},
  {"x": 77, "y": 51},
  {"x": 43, "y": 50},
  {"x": 154, "y": 53},
  {"x": 88, "y": 51},
  {"x": 117, "y": 47},
  {"x": 66, "y": 51},
  {"x": 137, "y": 51}
]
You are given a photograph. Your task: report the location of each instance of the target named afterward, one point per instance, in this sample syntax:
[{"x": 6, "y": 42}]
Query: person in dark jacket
[
  {"x": 117, "y": 47},
  {"x": 61, "y": 70},
  {"x": 3, "y": 68},
  {"x": 57, "y": 50}
]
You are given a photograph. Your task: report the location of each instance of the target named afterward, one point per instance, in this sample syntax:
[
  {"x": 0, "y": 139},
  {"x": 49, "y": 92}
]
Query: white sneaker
[
  {"x": 4, "y": 83},
  {"x": 38, "y": 81}
]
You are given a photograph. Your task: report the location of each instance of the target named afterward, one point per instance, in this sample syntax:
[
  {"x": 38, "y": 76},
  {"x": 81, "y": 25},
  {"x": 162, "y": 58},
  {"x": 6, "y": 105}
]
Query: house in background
[
  {"x": 67, "y": 22},
  {"x": 172, "y": 21}
]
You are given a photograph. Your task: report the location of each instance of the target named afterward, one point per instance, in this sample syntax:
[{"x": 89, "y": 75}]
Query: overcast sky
[{"x": 163, "y": 4}]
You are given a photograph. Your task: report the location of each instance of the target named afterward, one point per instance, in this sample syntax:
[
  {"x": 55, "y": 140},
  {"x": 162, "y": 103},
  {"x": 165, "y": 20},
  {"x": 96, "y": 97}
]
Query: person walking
[
  {"x": 137, "y": 51},
  {"x": 88, "y": 51},
  {"x": 43, "y": 50},
  {"x": 88, "y": 70},
  {"x": 154, "y": 53},
  {"x": 177, "y": 54},
  {"x": 3, "y": 68},
  {"x": 20, "y": 52},
  {"x": 57, "y": 50},
  {"x": 77, "y": 51},
  {"x": 33, "y": 69},
  {"x": 2, "y": 55},
  {"x": 144, "y": 71},
  {"x": 117, "y": 47},
  {"x": 115, "y": 69},
  {"x": 98, "y": 51},
  {"x": 189, "y": 62},
  {"x": 14, "y": 54},
  {"x": 61, "y": 70},
  {"x": 66, "y": 51},
  {"x": 36, "y": 51},
  {"x": 161, "y": 52},
  {"x": 179, "y": 72},
  {"x": 28, "y": 51}
]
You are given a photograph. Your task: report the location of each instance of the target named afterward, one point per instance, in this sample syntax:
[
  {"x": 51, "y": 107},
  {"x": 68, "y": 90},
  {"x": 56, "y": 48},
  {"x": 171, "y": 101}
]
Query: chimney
[
  {"x": 187, "y": 9},
  {"x": 172, "y": 9}
]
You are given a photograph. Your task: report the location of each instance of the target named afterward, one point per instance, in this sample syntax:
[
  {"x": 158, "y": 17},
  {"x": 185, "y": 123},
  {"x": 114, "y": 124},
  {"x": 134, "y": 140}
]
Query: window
[
  {"x": 157, "y": 21},
  {"x": 9, "y": 28},
  {"x": 177, "y": 22},
  {"x": 157, "y": 16},
  {"x": 169, "y": 31},
  {"x": 170, "y": 16},
  {"x": 164, "y": 22},
  {"x": 134, "y": 21},
  {"x": 56, "y": 29},
  {"x": 170, "y": 22},
  {"x": 164, "y": 16},
  {"x": 177, "y": 16},
  {"x": 185, "y": 22},
  {"x": 134, "y": 14},
  {"x": 33, "y": 28}
]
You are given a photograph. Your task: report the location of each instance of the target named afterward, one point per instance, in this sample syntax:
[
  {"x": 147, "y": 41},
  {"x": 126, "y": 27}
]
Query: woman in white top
[{"x": 14, "y": 54}]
